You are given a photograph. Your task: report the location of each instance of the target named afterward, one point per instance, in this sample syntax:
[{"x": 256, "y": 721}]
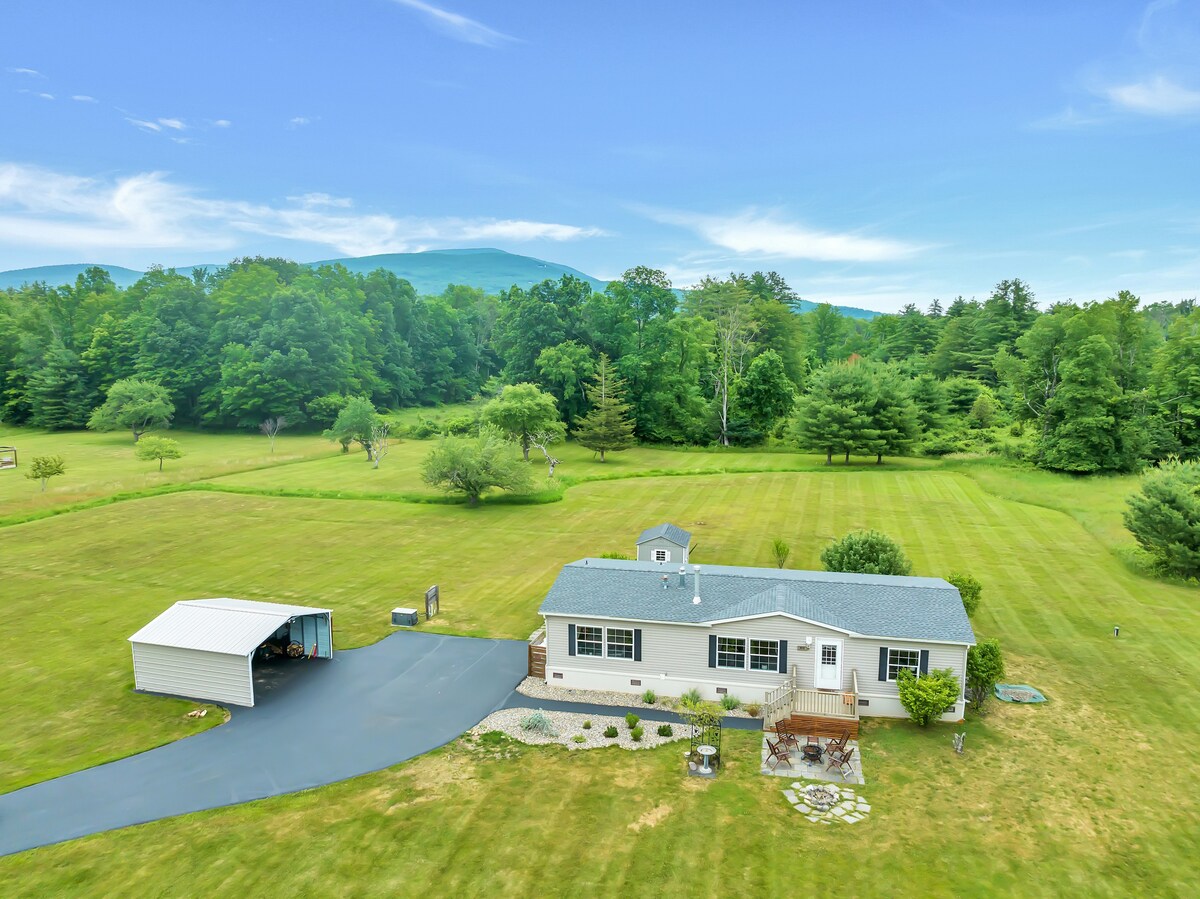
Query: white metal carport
[{"x": 204, "y": 648}]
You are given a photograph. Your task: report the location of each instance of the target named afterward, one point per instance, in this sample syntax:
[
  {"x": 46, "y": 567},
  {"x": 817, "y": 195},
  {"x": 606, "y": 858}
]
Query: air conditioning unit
[{"x": 404, "y": 617}]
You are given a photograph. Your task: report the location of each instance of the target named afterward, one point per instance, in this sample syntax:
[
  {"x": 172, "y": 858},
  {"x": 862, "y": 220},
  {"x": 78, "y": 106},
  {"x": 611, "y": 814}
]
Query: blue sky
[{"x": 873, "y": 153}]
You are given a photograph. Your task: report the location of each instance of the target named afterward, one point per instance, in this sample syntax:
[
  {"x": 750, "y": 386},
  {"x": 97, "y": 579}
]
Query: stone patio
[{"x": 815, "y": 770}]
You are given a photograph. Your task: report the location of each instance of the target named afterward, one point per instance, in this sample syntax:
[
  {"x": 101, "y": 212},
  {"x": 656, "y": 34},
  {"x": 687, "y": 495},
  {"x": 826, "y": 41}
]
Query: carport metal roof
[{"x": 230, "y": 626}]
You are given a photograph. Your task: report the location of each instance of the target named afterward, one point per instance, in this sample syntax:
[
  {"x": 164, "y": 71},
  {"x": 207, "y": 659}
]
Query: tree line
[{"x": 1096, "y": 386}]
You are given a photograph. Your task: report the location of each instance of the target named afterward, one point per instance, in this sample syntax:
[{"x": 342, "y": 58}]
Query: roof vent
[
  {"x": 696, "y": 598},
  {"x": 682, "y": 575},
  {"x": 664, "y": 580}
]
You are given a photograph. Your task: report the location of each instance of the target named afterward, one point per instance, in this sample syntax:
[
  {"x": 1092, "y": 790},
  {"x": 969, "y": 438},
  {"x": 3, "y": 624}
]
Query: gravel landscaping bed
[
  {"x": 537, "y": 689},
  {"x": 568, "y": 725}
]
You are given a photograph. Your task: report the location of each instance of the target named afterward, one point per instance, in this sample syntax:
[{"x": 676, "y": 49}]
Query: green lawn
[
  {"x": 101, "y": 465},
  {"x": 1050, "y": 800}
]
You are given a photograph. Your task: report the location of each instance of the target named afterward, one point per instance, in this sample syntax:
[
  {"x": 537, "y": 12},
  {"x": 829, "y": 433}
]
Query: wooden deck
[{"x": 816, "y": 726}]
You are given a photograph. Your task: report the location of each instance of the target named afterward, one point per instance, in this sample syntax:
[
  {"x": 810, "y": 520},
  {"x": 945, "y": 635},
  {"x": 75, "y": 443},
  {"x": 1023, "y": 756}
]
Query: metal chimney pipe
[
  {"x": 682, "y": 575},
  {"x": 696, "y": 569}
]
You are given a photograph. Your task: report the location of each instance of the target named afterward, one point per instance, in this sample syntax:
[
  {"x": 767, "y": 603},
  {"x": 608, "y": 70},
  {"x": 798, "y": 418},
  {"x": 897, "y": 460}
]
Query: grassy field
[
  {"x": 101, "y": 465},
  {"x": 1052, "y": 800}
]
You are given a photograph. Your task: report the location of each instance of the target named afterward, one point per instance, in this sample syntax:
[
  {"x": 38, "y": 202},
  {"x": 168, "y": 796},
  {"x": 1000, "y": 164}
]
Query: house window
[
  {"x": 764, "y": 655},
  {"x": 662, "y": 555},
  {"x": 620, "y": 643},
  {"x": 731, "y": 652},
  {"x": 829, "y": 653},
  {"x": 899, "y": 659},
  {"x": 589, "y": 641}
]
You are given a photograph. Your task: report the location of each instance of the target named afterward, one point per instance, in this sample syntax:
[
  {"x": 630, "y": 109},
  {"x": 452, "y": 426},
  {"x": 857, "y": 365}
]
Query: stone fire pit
[{"x": 825, "y": 803}]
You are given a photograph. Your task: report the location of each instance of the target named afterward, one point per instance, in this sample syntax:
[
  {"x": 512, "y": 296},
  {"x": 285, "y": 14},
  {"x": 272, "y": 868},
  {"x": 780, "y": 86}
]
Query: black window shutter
[
  {"x": 783, "y": 656},
  {"x": 883, "y": 653},
  {"x": 570, "y": 639},
  {"x": 924, "y": 661},
  {"x": 637, "y": 644},
  {"x": 712, "y": 650}
]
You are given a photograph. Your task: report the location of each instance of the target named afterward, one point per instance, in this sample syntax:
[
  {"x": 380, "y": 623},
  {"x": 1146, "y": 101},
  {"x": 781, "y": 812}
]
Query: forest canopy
[{"x": 1097, "y": 386}]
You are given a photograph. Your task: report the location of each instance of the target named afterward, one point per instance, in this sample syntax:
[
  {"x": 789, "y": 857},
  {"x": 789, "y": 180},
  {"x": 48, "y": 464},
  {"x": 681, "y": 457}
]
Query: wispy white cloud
[
  {"x": 46, "y": 96},
  {"x": 299, "y": 121},
  {"x": 222, "y": 123},
  {"x": 1068, "y": 118},
  {"x": 174, "y": 124},
  {"x": 457, "y": 26},
  {"x": 754, "y": 234},
  {"x": 83, "y": 98},
  {"x": 21, "y": 70},
  {"x": 1158, "y": 96},
  {"x": 143, "y": 124},
  {"x": 145, "y": 212}
]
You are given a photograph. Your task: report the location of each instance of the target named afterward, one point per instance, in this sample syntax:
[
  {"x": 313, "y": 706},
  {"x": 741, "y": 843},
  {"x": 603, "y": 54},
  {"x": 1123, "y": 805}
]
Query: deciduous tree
[
  {"x": 521, "y": 410},
  {"x": 153, "y": 447},
  {"x": 137, "y": 405},
  {"x": 43, "y": 468},
  {"x": 472, "y": 465}
]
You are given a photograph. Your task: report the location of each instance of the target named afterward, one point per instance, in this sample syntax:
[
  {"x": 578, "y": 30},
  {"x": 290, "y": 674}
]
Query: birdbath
[{"x": 707, "y": 751}]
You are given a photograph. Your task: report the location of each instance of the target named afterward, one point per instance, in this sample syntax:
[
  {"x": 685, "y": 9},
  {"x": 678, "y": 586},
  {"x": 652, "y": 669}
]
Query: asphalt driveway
[{"x": 321, "y": 722}]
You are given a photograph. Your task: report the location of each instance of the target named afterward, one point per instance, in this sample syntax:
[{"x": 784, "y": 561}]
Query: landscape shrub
[
  {"x": 729, "y": 702},
  {"x": 649, "y": 697},
  {"x": 460, "y": 425},
  {"x": 538, "y": 722},
  {"x": 690, "y": 698},
  {"x": 969, "y": 588},
  {"x": 753, "y": 709},
  {"x": 611, "y": 731},
  {"x": 587, "y": 725},
  {"x": 985, "y": 668},
  {"x": 422, "y": 430},
  {"x": 636, "y": 734},
  {"x": 664, "y": 730},
  {"x": 631, "y": 720},
  {"x": 624, "y": 557},
  {"x": 866, "y": 552},
  {"x": 927, "y": 697},
  {"x": 579, "y": 738}
]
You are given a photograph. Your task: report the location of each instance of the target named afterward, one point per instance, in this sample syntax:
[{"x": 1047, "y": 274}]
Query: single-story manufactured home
[
  {"x": 206, "y": 648},
  {"x": 833, "y": 643}
]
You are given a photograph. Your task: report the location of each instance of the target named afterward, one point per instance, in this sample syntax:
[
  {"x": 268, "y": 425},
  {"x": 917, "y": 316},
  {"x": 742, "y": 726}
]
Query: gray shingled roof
[
  {"x": 676, "y": 535},
  {"x": 914, "y": 608}
]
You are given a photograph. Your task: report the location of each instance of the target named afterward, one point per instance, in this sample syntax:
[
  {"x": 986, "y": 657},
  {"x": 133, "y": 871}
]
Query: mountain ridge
[{"x": 429, "y": 272}]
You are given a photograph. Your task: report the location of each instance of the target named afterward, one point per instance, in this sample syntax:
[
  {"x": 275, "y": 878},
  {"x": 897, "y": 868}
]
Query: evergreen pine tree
[{"x": 607, "y": 427}]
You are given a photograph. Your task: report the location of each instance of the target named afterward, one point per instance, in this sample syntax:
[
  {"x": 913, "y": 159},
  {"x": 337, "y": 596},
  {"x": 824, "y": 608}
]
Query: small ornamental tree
[
  {"x": 926, "y": 698},
  {"x": 866, "y": 552},
  {"x": 985, "y": 667},
  {"x": 471, "y": 465},
  {"x": 271, "y": 427},
  {"x": 150, "y": 448},
  {"x": 969, "y": 589},
  {"x": 521, "y": 411},
  {"x": 137, "y": 405},
  {"x": 607, "y": 427},
  {"x": 43, "y": 468},
  {"x": 355, "y": 423},
  {"x": 1164, "y": 517},
  {"x": 780, "y": 550}
]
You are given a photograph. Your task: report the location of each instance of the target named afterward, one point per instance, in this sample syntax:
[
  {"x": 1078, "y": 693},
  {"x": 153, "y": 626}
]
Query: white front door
[{"x": 828, "y": 673}]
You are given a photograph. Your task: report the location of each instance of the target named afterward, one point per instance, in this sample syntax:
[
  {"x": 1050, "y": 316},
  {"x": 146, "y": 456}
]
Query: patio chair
[
  {"x": 838, "y": 745},
  {"x": 778, "y": 753},
  {"x": 841, "y": 763},
  {"x": 787, "y": 736}
]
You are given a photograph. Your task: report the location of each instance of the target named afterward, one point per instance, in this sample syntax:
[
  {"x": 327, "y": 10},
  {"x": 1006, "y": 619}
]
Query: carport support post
[{"x": 250, "y": 674}]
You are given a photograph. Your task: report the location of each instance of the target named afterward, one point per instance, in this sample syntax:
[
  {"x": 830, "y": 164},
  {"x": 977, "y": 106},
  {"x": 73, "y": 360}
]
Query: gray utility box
[{"x": 404, "y": 617}]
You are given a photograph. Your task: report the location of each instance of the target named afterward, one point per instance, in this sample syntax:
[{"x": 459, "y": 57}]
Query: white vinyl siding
[
  {"x": 194, "y": 673},
  {"x": 675, "y": 659}
]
